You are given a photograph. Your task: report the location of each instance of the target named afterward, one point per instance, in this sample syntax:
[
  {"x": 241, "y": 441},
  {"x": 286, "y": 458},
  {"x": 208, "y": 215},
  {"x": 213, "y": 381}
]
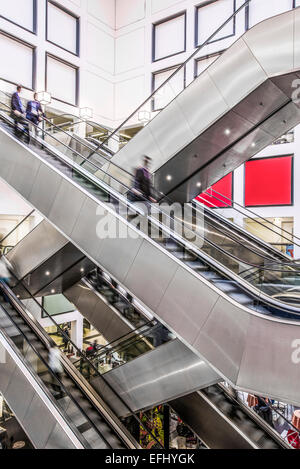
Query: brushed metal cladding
[
  {"x": 272, "y": 43},
  {"x": 85, "y": 229},
  {"x": 29, "y": 405},
  {"x": 211, "y": 427},
  {"x": 148, "y": 265},
  {"x": 58, "y": 439},
  {"x": 32, "y": 422},
  {"x": 153, "y": 268},
  {"x": 98, "y": 311},
  {"x": 164, "y": 373},
  {"x": 45, "y": 189},
  {"x": 118, "y": 254},
  {"x": 223, "y": 337},
  {"x": 278, "y": 371},
  {"x": 25, "y": 256},
  {"x": 242, "y": 73},
  {"x": 200, "y": 117},
  {"x": 249, "y": 73}
]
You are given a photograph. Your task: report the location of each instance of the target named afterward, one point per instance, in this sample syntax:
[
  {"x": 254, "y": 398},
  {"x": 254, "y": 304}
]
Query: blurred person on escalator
[{"x": 54, "y": 361}]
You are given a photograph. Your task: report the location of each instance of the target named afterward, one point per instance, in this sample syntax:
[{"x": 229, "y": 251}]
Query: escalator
[
  {"x": 87, "y": 423},
  {"x": 222, "y": 422},
  {"x": 230, "y": 328},
  {"x": 131, "y": 362}
]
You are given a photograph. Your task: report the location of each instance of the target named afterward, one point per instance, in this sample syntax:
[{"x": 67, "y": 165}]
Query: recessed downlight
[
  {"x": 227, "y": 132},
  {"x": 169, "y": 177},
  {"x": 47, "y": 273}
]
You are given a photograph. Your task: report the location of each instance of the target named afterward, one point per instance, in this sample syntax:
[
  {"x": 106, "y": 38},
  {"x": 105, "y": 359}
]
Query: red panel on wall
[
  {"x": 268, "y": 181},
  {"x": 212, "y": 198}
]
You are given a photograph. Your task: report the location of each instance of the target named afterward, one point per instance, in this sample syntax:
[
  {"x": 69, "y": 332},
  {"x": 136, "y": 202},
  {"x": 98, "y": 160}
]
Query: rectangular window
[
  {"x": 19, "y": 61},
  {"x": 168, "y": 92},
  {"x": 62, "y": 80},
  {"x": 269, "y": 181},
  {"x": 20, "y": 12},
  {"x": 169, "y": 37},
  {"x": 62, "y": 28},
  {"x": 204, "y": 62},
  {"x": 210, "y": 15},
  {"x": 219, "y": 195}
]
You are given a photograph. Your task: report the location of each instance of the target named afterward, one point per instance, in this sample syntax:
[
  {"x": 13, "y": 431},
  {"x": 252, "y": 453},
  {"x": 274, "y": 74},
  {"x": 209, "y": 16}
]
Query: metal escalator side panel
[{"x": 34, "y": 409}]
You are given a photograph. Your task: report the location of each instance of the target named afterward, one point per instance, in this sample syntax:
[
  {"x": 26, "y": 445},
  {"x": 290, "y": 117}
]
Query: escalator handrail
[
  {"x": 16, "y": 305},
  {"x": 178, "y": 69},
  {"x": 80, "y": 353}
]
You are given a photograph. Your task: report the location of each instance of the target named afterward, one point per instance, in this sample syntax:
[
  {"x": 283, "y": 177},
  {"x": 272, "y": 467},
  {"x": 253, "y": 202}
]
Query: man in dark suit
[
  {"x": 142, "y": 187},
  {"x": 18, "y": 112}
]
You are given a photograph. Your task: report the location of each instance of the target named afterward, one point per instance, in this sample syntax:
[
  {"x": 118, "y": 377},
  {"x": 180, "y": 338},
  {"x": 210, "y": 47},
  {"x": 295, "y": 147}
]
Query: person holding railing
[
  {"x": 34, "y": 113},
  {"x": 18, "y": 112}
]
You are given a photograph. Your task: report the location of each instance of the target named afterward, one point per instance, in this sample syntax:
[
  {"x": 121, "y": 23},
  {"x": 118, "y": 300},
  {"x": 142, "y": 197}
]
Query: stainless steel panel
[
  {"x": 144, "y": 144},
  {"x": 44, "y": 189},
  {"x": 223, "y": 338},
  {"x": 7, "y": 369},
  {"x": 72, "y": 199},
  {"x": 236, "y": 73},
  {"x": 38, "y": 246},
  {"x": 169, "y": 371},
  {"x": 186, "y": 304},
  {"x": 39, "y": 422},
  {"x": 268, "y": 358},
  {"x": 22, "y": 179},
  {"x": 208, "y": 423},
  {"x": 272, "y": 43},
  {"x": 262, "y": 102},
  {"x": 18, "y": 387},
  {"x": 58, "y": 439},
  {"x": 117, "y": 254},
  {"x": 297, "y": 38},
  {"x": 202, "y": 103},
  {"x": 150, "y": 274}
]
